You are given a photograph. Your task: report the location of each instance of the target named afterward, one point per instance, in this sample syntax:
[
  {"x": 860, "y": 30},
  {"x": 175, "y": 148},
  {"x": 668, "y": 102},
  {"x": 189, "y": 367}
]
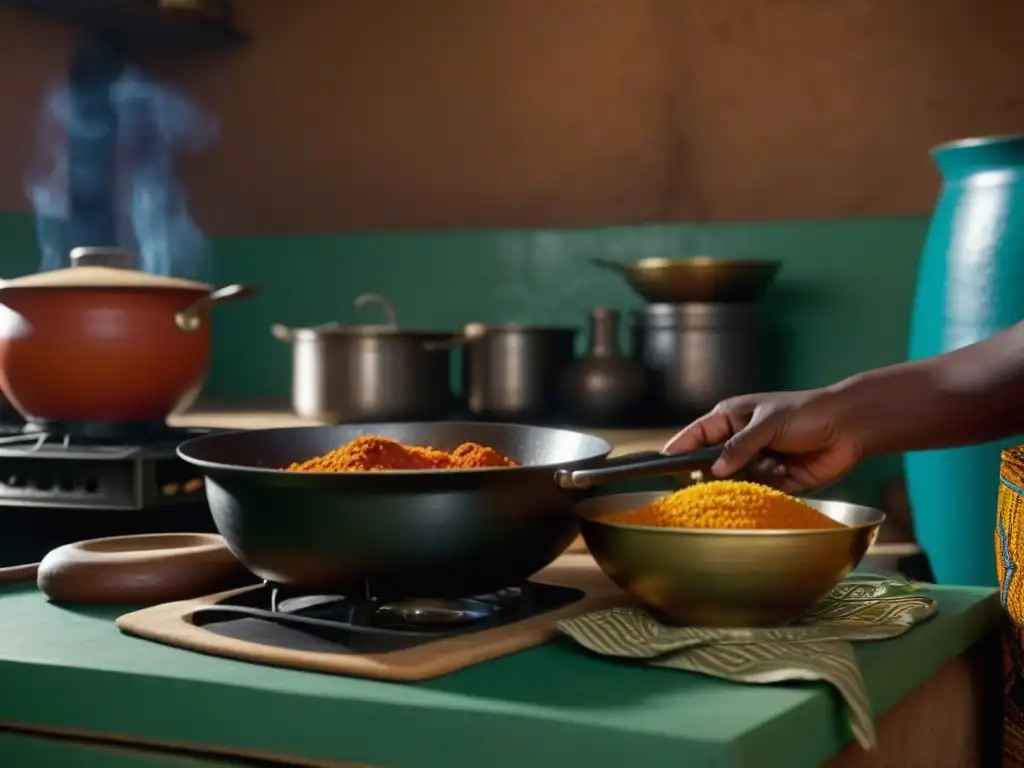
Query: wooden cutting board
[{"x": 172, "y": 624}]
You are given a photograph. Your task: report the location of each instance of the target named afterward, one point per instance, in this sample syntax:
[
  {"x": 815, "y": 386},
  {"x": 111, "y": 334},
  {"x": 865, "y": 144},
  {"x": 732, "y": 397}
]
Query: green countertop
[
  {"x": 27, "y": 751},
  {"x": 552, "y": 705}
]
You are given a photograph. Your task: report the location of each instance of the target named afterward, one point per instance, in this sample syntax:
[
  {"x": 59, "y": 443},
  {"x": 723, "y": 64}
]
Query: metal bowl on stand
[{"x": 699, "y": 278}]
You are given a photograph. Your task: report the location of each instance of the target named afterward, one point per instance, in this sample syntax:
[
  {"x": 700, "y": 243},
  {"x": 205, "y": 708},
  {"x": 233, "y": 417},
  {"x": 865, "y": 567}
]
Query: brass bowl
[
  {"x": 696, "y": 279},
  {"x": 726, "y": 578}
]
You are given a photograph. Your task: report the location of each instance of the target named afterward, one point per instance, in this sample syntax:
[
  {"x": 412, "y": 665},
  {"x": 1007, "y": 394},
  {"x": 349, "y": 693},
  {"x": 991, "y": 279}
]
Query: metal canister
[
  {"x": 699, "y": 353},
  {"x": 511, "y": 371}
]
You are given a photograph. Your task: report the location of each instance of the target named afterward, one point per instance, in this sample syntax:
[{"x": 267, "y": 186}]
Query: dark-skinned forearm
[{"x": 972, "y": 395}]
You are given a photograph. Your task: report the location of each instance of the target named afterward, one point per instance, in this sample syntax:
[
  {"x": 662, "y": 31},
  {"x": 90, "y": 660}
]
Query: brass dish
[
  {"x": 696, "y": 279},
  {"x": 726, "y": 578}
]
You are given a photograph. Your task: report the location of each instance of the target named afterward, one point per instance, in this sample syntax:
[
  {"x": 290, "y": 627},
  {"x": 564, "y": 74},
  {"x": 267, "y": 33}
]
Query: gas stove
[
  {"x": 67, "y": 482},
  {"x": 95, "y": 466},
  {"x": 364, "y": 634},
  {"x": 277, "y": 616}
]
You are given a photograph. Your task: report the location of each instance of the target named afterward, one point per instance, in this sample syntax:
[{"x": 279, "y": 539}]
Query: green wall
[
  {"x": 19, "y": 253},
  {"x": 841, "y": 304}
]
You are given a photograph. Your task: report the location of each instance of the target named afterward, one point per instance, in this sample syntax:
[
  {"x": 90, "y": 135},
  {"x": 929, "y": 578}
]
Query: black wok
[{"x": 412, "y": 533}]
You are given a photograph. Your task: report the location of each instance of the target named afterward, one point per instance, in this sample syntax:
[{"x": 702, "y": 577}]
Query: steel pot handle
[
  {"x": 191, "y": 317},
  {"x": 471, "y": 332},
  {"x": 286, "y": 334},
  {"x": 282, "y": 333},
  {"x": 633, "y": 466},
  {"x": 371, "y": 299}
]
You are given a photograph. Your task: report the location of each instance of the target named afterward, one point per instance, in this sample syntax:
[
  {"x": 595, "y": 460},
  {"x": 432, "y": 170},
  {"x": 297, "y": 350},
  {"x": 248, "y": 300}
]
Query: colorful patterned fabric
[
  {"x": 815, "y": 648},
  {"x": 1009, "y": 542}
]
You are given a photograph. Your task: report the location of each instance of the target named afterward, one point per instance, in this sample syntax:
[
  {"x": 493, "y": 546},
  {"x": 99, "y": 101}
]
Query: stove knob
[
  {"x": 91, "y": 485},
  {"x": 15, "y": 481},
  {"x": 44, "y": 482},
  {"x": 66, "y": 484}
]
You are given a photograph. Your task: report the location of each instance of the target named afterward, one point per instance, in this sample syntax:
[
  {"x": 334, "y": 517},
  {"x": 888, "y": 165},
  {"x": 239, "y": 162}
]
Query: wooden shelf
[{"x": 136, "y": 22}]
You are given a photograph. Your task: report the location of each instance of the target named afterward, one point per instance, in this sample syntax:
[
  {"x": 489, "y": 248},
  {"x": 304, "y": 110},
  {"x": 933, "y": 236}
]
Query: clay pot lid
[{"x": 102, "y": 268}]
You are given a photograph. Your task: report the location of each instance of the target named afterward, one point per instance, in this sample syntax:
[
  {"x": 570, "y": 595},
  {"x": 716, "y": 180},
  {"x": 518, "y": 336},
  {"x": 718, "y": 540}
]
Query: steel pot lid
[
  {"x": 102, "y": 268},
  {"x": 386, "y": 330},
  {"x": 333, "y": 329},
  {"x": 285, "y": 333},
  {"x": 523, "y": 328}
]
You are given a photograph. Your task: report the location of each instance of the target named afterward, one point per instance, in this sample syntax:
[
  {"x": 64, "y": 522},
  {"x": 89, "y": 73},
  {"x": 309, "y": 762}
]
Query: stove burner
[
  {"x": 443, "y": 612},
  {"x": 104, "y": 432},
  {"x": 274, "y": 615},
  {"x": 411, "y": 613},
  {"x": 427, "y": 612}
]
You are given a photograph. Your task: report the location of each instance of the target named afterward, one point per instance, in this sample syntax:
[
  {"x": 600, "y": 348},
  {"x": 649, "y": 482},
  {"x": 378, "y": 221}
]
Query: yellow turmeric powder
[{"x": 727, "y": 504}]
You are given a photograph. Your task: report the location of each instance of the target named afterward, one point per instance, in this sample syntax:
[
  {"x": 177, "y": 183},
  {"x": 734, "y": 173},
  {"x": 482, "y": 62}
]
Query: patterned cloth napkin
[{"x": 817, "y": 647}]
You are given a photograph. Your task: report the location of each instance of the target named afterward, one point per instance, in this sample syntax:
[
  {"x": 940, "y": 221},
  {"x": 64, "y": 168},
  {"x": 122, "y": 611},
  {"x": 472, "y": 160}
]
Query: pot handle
[
  {"x": 471, "y": 332},
  {"x": 191, "y": 317},
  {"x": 611, "y": 266},
  {"x": 282, "y": 333},
  {"x": 374, "y": 299},
  {"x": 633, "y": 466}
]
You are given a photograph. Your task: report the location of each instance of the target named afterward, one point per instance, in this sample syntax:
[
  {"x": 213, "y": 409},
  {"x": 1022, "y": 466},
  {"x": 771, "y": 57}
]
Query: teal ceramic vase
[{"x": 970, "y": 285}]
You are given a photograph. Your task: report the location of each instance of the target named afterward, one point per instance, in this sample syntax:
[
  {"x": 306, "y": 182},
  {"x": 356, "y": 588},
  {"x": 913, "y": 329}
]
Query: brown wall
[{"x": 459, "y": 113}]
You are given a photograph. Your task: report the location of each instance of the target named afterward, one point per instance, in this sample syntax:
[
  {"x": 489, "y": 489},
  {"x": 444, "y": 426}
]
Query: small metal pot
[
  {"x": 699, "y": 354},
  {"x": 359, "y": 373},
  {"x": 104, "y": 342},
  {"x": 511, "y": 371}
]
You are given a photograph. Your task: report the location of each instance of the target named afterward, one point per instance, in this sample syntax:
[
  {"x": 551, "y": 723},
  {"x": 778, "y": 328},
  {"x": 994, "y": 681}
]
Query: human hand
[{"x": 794, "y": 441}]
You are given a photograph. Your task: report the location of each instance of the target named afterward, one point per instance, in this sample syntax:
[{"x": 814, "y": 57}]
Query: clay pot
[{"x": 102, "y": 342}]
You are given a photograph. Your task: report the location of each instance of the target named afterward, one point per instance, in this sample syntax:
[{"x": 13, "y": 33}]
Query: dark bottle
[{"x": 605, "y": 388}]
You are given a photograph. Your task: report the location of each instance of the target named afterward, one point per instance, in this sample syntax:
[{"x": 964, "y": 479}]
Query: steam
[{"x": 129, "y": 147}]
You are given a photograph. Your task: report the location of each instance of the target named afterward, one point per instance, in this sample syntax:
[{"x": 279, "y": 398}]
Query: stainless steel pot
[
  {"x": 699, "y": 354},
  {"x": 353, "y": 373},
  {"x": 511, "y": 371}
]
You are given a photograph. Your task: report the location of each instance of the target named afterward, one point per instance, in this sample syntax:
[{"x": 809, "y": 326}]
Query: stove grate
[{"x": 337, "y": 624}]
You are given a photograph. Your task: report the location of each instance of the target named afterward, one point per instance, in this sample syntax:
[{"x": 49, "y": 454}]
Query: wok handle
[
  {"x": 633, "y": 466},
  {"x": 611, "y": 266},
  {"x": 282, "y": 333}
]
